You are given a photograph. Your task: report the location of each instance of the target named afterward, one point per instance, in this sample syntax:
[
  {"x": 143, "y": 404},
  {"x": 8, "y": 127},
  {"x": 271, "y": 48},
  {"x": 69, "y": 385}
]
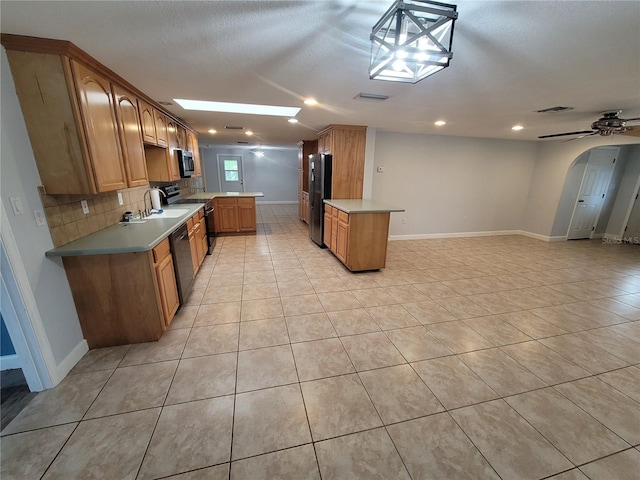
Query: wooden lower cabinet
[
  {"x": 123, "y": 298},
  {"x": 197, "y": 231},
  {"x": 304, "y": 207},
  {"x": 358, "y": 240},
  {"x": 235, "y": 215}
]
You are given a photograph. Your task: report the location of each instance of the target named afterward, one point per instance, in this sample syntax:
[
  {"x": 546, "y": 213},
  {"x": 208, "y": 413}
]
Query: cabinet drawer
[
  {"x": 226, "y": 201},
  {"x": 334, "y": 212},
  {"x": 190, "y": 224},
  {"x": 245, "y": 201},
  {"x": 161, "y": 250},
  {"x": 200, "y": 213},
  {"x": 343, "y": 216},
  {"x": 328, "y": 209}
]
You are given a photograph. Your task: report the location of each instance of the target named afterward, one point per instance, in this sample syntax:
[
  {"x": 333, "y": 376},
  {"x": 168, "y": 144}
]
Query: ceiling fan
[{"x": 609, "y": 124}]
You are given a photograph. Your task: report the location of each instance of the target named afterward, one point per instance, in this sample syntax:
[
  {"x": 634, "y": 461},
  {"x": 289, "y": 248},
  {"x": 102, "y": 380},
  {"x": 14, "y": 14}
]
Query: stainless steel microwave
[{"x": 185, "y": 162}]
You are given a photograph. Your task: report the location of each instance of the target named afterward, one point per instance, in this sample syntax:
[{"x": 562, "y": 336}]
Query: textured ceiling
[{"x": 510, "y": 58}]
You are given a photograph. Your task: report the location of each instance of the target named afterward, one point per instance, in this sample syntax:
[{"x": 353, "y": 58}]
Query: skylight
[{"x": 246, "y": 108}]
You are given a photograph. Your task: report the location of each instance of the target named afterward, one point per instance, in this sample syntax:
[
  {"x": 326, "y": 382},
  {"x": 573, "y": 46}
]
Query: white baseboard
[
  {"x": 69, "y": 361},
  {"x": 495, "y": 233},
  {"x": 9, "y": 362}
]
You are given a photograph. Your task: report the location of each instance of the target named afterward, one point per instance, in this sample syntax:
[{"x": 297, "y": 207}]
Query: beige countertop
[
  {"x": 361, "y": 206},
  {"x": 204, "y": 196},
  {"x": 127, "y": 237}
]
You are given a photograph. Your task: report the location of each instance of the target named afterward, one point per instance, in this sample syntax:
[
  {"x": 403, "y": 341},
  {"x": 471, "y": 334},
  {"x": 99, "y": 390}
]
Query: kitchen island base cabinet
[
  {"x": 122, "y": 298},
  {"x": 234, "y": 215}
]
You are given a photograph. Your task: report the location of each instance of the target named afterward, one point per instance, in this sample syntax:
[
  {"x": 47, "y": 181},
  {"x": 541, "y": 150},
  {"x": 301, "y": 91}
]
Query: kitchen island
[
  {"x": 234, "y": 212},
  {"x": 356, "y": 231},
  {"x": 123, "y": 278}
]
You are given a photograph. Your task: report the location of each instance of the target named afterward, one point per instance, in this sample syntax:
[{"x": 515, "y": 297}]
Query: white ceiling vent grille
[{"x": 371, "y": 96}]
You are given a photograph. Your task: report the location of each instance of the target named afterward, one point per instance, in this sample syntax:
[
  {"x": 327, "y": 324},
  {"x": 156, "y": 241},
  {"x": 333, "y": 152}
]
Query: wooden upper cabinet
[
  {"x": 161, "y": 128},
  {"x": 148, "y": 121},
  {"x": 346, "y": 144},
  {"x": 181, "y": 134},
  {"x": 172, "y": 143},
  {"x": 130, "y": 137},
  {"x": 100, "y": 126},
  {"x": 192, "y": 146}
]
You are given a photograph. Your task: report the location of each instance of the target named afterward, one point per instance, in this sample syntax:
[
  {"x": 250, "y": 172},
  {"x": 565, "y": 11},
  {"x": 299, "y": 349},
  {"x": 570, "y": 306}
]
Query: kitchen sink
[{"x": 172, "y": 213}]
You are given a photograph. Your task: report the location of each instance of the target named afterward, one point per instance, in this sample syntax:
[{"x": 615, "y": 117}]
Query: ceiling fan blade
[
  {"x": 581, "y": 136},
  {"x": 633, "y": 131},
  {"x": 568, "y": 133},
  {"x": 631, "y": 119}
]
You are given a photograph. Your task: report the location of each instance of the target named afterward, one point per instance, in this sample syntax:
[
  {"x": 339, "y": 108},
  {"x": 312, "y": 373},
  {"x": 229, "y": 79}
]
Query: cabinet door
[
  {"x": 203, "y": 239},
  {"x": 172, "y": 158},
  {"x": 161, "y": 127},
  {"x": 166, "y": 277},
  {"x": 327, "y": 229},
  {"x": 342, "y": 245},
  {"x": 148, "y": 121},
  {"x": 246, "y": 215},
  {"x": 181, "y": 133},
  {"x": 130, "y": 137},
  {"x": 334, "y": 233},
  {"x": 192, "y": 140},
  {"x": 101, "y": 128},
  {"x": 227, "y": 216}
]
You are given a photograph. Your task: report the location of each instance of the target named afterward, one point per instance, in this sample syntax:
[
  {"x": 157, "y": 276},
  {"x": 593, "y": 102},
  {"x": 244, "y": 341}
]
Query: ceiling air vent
[
  {"x": 554, "y": 109},
  {"x": 230, "y": 127},
  {"x": 243, "y": 143},
  {"x": 371, "y": 96}
]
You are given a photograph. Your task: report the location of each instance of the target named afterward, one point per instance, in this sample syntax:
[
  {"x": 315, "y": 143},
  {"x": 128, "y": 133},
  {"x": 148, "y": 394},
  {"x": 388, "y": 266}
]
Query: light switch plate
[
  {"x": 85, "y": 207},
  {"x": 120, "y": 200},
  {"x": 40, "y": 219},
  {"x": 16, "y": 205}
]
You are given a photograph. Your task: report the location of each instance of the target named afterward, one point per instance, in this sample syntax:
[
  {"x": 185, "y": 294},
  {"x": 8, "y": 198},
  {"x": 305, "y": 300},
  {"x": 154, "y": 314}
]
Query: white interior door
[
  {"x": 632, "y": 231},
  {"x": 230, "y": 173},
  {"x": 595, "y": 184}
]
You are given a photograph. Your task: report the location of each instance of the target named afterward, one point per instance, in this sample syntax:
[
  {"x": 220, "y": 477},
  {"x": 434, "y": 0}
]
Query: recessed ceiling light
[
  {"x": 248, "y": 132},
  {"x": 259, "y": 153},
  {"x": 212, "y": 131},
  {"x": 517, "y": 127},
  {"x": 237, "y": 108},
  {"x": 440, "y": 123},
  {"x": 310, "y": 101},
  {"x": 293, "y": 120}
]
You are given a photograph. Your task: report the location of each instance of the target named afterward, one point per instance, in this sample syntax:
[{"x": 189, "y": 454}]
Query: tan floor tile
[
  {"x": 576, "y": 434},
  {"x": 612, "y": 342},
  {"x": 632, "y": 299},
  {"x": 453, "y": 383},
  {"x": 466, "y": 286},
  {"x": 359, "y": 281},
  {"x": 494, "y": 303},
  {"x": 406, "y": 294},
  {"x": 610, "y": 407},
  {"x": 314, "y": 326},
  {"x": 256, "y": 291},
  {"x": 226, "y": 280},
  {"x": 189, "y": 436},
  {"x": 263, "y": 333},
  {"x": 298, "y": 463},
  {"x": 27, "y": 455},
  {"x": 597, "y": 315},
  {"x": 298, "y": 287},
  {"x": 203, "y": 377},
  {"x": 134, "y": 388},
  {"x": 169, "y": 347},
  {"x": 619, "y": 308},
  {"x": 227, "y": 268},
  {"x": 321, "y": 358},
  {"x": 626, "y": 380},
  {"x": 101, "y": 359},
  {"x": 399, "y": 394},
  {"x": 113, "y": 446},
  {"x": 326, "y": 285},
  {"x": 531, "y": 324},
  {"x": 630, "y": 330},
  {"x": 301, "y": 305},
  {"x": 222, "y": 294},
  {"x": 252, "y": 267},
  {"x": 65, "y": 403},
  {"x": 503, "y": 374},
  {"x": 373, "y": 297},
  {"x": 185, "y": 317},
  {"x": 436, "y": 290},
  {"x": 212, "y": 340},
  {"x": 624, "y": 465},
  {"x": 392, "y": 316},
  {"x": 428, "y": 311},
  {"x": 265, "y": 367},
  {"x": 217, "y": 314},
  {"x": 219, "y": 472},
  {"x": 435, "y": 447},
  {"x": 371, "y": 350},
  {"x": 458, "y": 337},
  {"x": 524, "y": 298},
  {"x": 416, "y": 343},
  {"x": 573, "y": 474},
  {"x": 369, "y": 455},
  {"x": 335, "y": 301},
  {"x": 352, "y": 322},
  {"x": 337, "y": 406},
  {"x": 583, "y": 354},
  {"x": 261, "y": 309},
  {"x": 462, "y": 307},
  {"x": 512, "y": 447},
  {"x": 559, "y": 316},
  {"x": 544, "y": 362},
  {"x": 290, "y": 275},
  {"x": 269, "y": 420}
]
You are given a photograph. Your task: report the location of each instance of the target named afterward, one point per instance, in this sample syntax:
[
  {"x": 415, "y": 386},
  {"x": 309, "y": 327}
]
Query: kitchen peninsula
[
  {"x": 356, "y": 231},
  {"x": 235, "y": 212}
]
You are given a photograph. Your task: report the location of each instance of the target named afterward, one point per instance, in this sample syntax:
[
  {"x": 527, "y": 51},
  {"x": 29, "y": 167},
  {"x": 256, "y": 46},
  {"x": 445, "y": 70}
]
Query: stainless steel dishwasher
[{"x": 181, "y": 252}]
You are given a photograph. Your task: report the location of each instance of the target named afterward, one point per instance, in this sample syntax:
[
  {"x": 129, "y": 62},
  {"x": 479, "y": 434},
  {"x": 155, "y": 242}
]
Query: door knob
[{"x": 580, "y": 201}]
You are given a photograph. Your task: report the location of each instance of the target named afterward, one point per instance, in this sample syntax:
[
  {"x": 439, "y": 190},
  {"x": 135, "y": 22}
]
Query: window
[{"x": 231, "y": 170}]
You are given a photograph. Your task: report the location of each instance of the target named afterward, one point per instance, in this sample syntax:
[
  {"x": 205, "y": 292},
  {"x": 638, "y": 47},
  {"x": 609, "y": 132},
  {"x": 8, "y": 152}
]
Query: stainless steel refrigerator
[{"x": 319, "y": 189}]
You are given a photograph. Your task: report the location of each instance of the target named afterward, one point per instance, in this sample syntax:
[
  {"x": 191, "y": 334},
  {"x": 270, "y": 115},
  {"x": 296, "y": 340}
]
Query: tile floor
[{"x": 468, "y": 358}]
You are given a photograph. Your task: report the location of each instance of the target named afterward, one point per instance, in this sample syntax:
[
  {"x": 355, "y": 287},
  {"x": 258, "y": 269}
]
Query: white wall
[
  {"x": 626, "y": 193},
  {"x": 275, "y": 174},
  {"x": 451, "y": 185},
  {"x": 46, "y": 278}
]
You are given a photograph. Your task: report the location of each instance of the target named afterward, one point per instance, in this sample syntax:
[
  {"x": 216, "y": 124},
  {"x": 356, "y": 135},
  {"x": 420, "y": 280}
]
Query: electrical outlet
[
  {"x": 16, "y": 205},
  {"x": 380, "y": 169},
  {"x": 404, "y": 219},
  {"x": 40, "y": 220},
  {"x": 85, "y": 207},
  {"x": 120, "y": 200}
]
